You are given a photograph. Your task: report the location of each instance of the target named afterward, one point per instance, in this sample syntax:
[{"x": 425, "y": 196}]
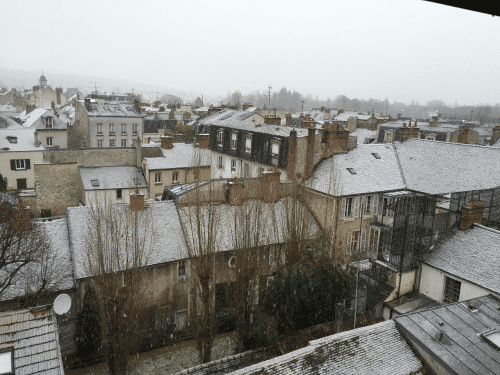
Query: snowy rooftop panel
[
  {"x": 182, "y": 155},
  {"x": 18, "y": 140},
  {"x": 119, "y": 177}
]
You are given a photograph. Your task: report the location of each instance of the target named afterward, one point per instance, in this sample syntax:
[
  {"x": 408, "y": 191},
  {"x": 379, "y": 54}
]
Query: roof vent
[
  {"x": 351, "y": 170},
  {"x": 375, "y": 155},
  {"x": 95, "y": 182}
]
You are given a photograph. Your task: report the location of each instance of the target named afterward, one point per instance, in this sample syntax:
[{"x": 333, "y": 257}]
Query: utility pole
[
  {"x": 302, "y": 106},
  {"x": 269, "y": 97}
]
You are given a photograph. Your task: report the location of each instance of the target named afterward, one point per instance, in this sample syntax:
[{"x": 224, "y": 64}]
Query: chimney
[
  {"x": 58, "y": 95},
  {"x": 408, "y": 132},
  {"x": 472, "y": 213},
  {"x": 235, "y": 188},
  {"x": 204, "y": 140},
  {"x": 137, "y": 201},
  {"x": 338, "y": 141},
  {"x": 29, "y": 108},
  {"x": 87, "y": 104},
  {"x": 292, "y": 155},
  {"x": 288, "y": 118},
  {"x": 495, "y": 135},
  {"x": 271, "y": 185},
  {"x": 137, "y": 105},
  {"x": 52, "y": 105},
  {"x": 311, "y": 136},
  {"x": 463, "y": 135},
  {"x": 171, "y": 115},
  {"x": 156, "y": 115},
  {"x": 308, "y": 122},
  {"x": 166, "y": 142}
]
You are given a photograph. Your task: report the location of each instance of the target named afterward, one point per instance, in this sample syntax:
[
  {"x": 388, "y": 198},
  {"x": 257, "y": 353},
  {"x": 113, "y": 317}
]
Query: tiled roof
[
  {"x": 471, "y": 255},
  {"x": 182, "y": 155},
  {"x": 59, "y": 272},
  {"x": 441, "y": 167},
  {"x": 25, "y": 140},
  {"x": 159, "y": 225},
  {"x": 376, "y": 349},
  {"x": 118, "y": 177},
  {"x": 460, "y": 349},
  {"x": 371, "y": 174},
  {"x": 34, "y": 339},
  {"x": 273, "y": 225}
]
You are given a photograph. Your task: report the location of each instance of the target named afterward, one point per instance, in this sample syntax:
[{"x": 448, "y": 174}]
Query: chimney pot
[{"x": 472, "y": 213}]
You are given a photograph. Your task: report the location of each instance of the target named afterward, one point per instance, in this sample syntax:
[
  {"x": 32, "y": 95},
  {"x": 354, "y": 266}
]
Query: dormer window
[
  {"x": 234, "y": 139},
  {"x": 12, "y": 139},
  {"x": 49, "y": 122}
]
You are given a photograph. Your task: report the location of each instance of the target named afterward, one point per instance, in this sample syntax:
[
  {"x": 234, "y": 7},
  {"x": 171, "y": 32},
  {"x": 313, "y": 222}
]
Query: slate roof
[
  {"x": 25, "y": 140},
  {"x": 117, "y": 177},
  {"x": 31, "y": 117},
  {"x": 273, "y": 224},
  {"x": 182, "y": 155},
  {"x": 59, "y": 271},
  {"x": 110, "y": 109},
  {"x": 362, "y": 134},
  {"x": 35, "y": 340},
  {"x": 441, "y": 167},
  {"x": 376, "y": 349},
  {"x": 471, "y": 255},
  {"x": 461, "y": 349},
  {"x": 161, "y": 229},
  {"x": 7, "y": 122},
  {"x": 57, "y": 123},
  {"x": 372, "y": 175},
  {"x": 229, "y": 116}
]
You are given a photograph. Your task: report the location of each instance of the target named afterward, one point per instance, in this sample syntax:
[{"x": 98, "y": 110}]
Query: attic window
[
  {"x": 225, "y": 117},
  {"x": 493, "y": 337},
  {"x": 12, "y": 139},
  {"x": 351, "y": 170},
  {"x": 95, "y": 182},
  {"x": 375, "y": 155},
  {"x": 7, "y": 361}
]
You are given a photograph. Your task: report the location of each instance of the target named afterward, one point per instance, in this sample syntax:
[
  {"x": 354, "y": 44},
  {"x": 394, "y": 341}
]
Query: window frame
[
  {"x": 22, "y": 164},
  {"x": 124, "y": 143},
  {"x": 112, "y": 143},
  {"x": 246, "y": 170},
  {"x": 49, "y": 122},
  {"x": 220, "y": 137},
  {"x": 124, "y": 129},
  {"x": 112, "y": 129},
  {"x": 221, "y": 162},
  {"x": 7, "y": 350},
  {"x": 99, "y": 129},
  {"x": 119, "y": 194},
  {"x": 49, "y": 144},
  {"x": 234, "y": 140},
  {"x": 99, "y": 143},
  {"x": 175, "y": 177},
  {"x": 388, "y": 134},
  {"x": 135, "y": 129},
  {"x": 248, "y": 139},
  {"x": 450, "y": 285},
  {"x": 158, "y": 178},
  {"x": 181, "y": 269},
  {"x": 25, "y": 184},
  {"x": 233, "y": 165}
]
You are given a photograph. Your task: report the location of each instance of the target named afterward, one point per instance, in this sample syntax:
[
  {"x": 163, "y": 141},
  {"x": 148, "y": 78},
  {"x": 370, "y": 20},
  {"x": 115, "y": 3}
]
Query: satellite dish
[{"x": 62, "y": 304}]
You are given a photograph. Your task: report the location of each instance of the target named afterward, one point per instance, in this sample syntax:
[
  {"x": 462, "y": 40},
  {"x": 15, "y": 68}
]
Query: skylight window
[
  {"x": 225, "y": 117},
  {"x": 375, "y": 155},
  {"x": 95, "y": 182},
  {"x": 493, "y": 337},
  {"x": 351, "y": 170}
]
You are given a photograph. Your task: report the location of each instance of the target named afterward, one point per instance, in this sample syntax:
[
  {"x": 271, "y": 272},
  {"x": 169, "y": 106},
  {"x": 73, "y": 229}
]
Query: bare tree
[{"x": 119, "y": 243}]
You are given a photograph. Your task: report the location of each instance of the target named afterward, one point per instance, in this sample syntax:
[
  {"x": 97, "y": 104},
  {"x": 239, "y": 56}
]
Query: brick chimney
[
  {"x": 463, "y": 135},
  {"x": 288, "y": 118},
  {"x": 292, "y": 155},
  {"x": 137, "y": 105},
  {"x": 272, "y": 120},
  {"x": 471, "y": 213},
  {"x": 137, "y": 200},
  {"x": 235, "y": 192},
  {"x": 204, "y": 140},
  {"x": 87, "y": 104},
  {"x": 338, "y": 141},
  {"x": 167, "y": 142},
  {"x": 311, "y": 137},
  {"x": 495, "y": 135},
  {"x": 271, "y": 185},
  {"x": 307, "y": 122},
  {"x": 408, "y": 132}
]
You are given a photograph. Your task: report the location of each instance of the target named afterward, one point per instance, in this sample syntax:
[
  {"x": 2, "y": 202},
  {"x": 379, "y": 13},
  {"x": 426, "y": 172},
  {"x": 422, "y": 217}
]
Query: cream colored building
[{"x": 18, "y": 153}]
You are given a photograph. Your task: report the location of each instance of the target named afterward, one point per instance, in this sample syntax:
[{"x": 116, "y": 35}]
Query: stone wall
[
  {"x": 57, "y": 187},
  {"x": 93, "y": 157}
]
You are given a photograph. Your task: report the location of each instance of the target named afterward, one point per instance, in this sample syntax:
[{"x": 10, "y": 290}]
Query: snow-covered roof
[
  {"x": 182, "y": 155},
  {"x": 229, "y": 116},
  {"x": 344, "y": 116},
  {"x": 274, "y": 222},
  {"x": 201, "y": 109},
  {"x": 159, "y": 228},
  {"x": 116, "y": 177},
  {"x": 18, "y": 140},
  {"x": 470, "y": 255},
  {"x": 373, "y": 350},
  {"x": 7, "y": 122},
  {"x": 251, "y": 109},
  {"x": 371, "y": 174},
  {"x": 7, "y": 108},
  {"x": 57, "y": 123},
  {"x": 31, "y": 117},
  {"x": 442, "y": 167},
  {"x": 363, "y": 134},
  {"x": 110, "y": 109}
]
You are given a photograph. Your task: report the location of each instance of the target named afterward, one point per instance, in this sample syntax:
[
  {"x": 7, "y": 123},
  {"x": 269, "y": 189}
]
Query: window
[
  {"x": 386, "y": 210},
  {"x": 181, "y": 268},
  {"x": 21, "y": 183},
  {"x": 134, "y": 129},
  {"x": 275, "y": 148},
  {"x": 352, "y": 242},
  {"x": 349, "y": 208},
  {"x": 233, "y": 165},
  {"x": 118, "y": 193},
  {"x": 99, "y": 129},
  {"x": 261, "y": 171},
  {"x": 7, "y": 360},
  {"x": 49, "y": 141},
  {"x": 99, "y": 143},
  {"x": 234, "y": 140},
  {"x": 272, "y": 256},
  {"x": 124, "y": 128},
  {"x": 19, "y": 164},
  {"x": 124, "y": 143},
  {"x": 220, "y": 137},
  {"x": 366, "y": 202},
  {"x": 451, "y": 290},
  {"x": 111, "y": 143},
  {"x": 111, "y": 129},
  {"x": 49, "y": 122},
  {"x": 220, "y": 162},
  {"x": 248, "y": 143},
  {"x": 175, "y": 177},
  {"x": 388, "y": 137},
  {"x": 157, "y": 178},
  {"x": 493, "y": 337},
  {"x": 374, "y": 236},
  {"x": 246, "y": 170}
]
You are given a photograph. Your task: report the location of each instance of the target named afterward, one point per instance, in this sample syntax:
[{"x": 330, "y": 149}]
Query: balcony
[{"x": 112, "y": 134}]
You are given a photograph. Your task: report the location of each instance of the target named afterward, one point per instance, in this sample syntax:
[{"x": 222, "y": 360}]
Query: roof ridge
[{"x": 395, "y": 149}]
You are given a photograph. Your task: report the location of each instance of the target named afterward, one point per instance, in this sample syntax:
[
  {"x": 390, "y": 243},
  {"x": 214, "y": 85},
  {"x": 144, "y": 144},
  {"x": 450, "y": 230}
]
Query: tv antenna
[{"x": 62, "y": 304}]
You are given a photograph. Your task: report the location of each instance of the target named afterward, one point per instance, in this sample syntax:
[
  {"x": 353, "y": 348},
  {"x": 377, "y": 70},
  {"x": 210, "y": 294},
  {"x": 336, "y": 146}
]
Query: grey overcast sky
[{"x": 401, "y": 49}]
